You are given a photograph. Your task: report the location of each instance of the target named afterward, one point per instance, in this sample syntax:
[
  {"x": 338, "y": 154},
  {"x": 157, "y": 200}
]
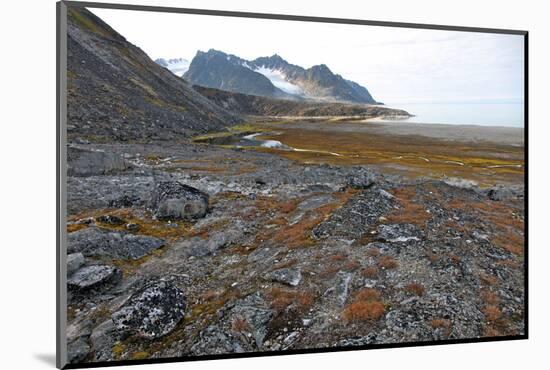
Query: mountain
[
  {"x": 273, "y": 77},
  {"x": 177, "y": 66},
  {"x": 116, "y": 92},
  {"x": 228, "y": 72}
]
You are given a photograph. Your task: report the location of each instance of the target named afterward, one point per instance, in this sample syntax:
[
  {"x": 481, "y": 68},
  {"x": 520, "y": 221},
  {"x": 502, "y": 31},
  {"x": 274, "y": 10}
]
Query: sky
[{"x": 397, "y": 65}]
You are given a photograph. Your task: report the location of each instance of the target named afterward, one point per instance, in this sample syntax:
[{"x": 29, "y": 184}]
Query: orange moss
[
  {"x": 433, "y": 257},
  {"x": 275, "y": 205},
  {"x": 338, "y": 258},
  {"x": 455, "y": 259},
  {"x": 415, "y": 288},
  {"x": 387, "y": 262},
  {"x": 373, "y": 252},
  {"x": 410, "y": 212},
  {"x": 363, "y": 311},
  {"x": 329, "y": 271},
  {"x": 351, "y": 266},
  {"x": 367, "y": 295},
  {"x": 488, "y": 280},
  {"x": 490, "y": 298},
  {"x": 492, "y": 312},
  {"x": 370, "y": 272},
  {"x": 440, "y": 323},
  {"x": 75, "y": 227},
  {"x": 240, "y": 325},
  {"x": 147, "y": 225},
  {"x": 510, "y": 228},
  {"x": 510, "y": 241},
  {"x": 281, "y": 299}
]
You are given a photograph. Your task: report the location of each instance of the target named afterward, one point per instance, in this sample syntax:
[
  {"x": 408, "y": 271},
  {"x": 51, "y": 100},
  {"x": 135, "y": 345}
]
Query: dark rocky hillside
[
  {"x": 263, "y": 106},
  {"x": 116, "y": 92}
]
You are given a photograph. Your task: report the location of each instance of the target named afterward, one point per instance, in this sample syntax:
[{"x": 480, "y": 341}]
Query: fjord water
[{"x": 483, "y": 114}]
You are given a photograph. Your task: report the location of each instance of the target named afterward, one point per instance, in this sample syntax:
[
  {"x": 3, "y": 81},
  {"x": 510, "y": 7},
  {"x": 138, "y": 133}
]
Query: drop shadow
[{"x": 46, "y": 358}]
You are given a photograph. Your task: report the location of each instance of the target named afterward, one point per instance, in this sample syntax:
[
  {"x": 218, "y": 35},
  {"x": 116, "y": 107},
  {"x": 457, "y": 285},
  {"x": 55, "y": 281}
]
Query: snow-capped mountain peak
[{"x": 177, "y": 66}]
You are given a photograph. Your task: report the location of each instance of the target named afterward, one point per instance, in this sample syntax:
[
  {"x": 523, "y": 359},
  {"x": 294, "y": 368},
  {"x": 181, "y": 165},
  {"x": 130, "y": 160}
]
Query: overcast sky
[{"x": 395, "y": 64}]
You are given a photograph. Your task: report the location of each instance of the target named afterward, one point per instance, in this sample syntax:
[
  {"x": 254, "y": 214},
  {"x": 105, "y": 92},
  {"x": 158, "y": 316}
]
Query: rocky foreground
[{"x": 188, "y": 250}]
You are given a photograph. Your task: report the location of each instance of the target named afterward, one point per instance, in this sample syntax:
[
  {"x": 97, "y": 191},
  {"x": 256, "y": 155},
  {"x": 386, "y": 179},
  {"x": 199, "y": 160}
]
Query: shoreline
[{"x": 460, "y": 133}]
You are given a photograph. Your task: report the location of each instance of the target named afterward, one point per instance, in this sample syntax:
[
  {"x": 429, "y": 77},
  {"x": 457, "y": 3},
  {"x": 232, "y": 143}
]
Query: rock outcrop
[
  {"x": 82, "y": 162},
  {"x": 94, "y": 241},
  {"x": 152, "y": 312},
  {"x": 93, "y": 277}
]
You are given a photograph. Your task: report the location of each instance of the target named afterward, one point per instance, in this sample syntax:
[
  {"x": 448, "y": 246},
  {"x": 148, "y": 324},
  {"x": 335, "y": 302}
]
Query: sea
[{"x": 481, "y": 114}]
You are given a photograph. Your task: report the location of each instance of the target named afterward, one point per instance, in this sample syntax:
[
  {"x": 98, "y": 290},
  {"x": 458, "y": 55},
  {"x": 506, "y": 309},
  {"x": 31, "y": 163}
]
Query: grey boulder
[
  {"x": 255, "y": 311},
  {"x": 82, "y": 162},
  {"x": 287, "y": 276},
  {"x": 93, "y": 277},
  {"x": 361, "y": 178},
  {"x": 175, "y": 201},
  {"x": 78, "y": 350},
  {"x": 500, "y": 193},
  {"x": 152, "y": 312},
  {"x": 94, "y": 241},
  {"x": 74, "y": 262}
]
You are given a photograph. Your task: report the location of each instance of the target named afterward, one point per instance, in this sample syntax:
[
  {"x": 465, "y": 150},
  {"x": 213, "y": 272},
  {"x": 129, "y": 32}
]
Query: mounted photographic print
[{"x": 239, "y": 184}]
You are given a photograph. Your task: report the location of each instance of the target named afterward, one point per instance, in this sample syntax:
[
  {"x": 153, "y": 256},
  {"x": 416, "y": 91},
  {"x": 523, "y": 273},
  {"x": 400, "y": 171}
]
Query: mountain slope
[
  {"x": 116, "y": 92},
  {"x": 216, "y": 69},
  {"x": 317, "y": 81}
]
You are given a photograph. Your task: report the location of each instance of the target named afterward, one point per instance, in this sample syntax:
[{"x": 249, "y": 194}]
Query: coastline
[{"x": 460, "y": 133}]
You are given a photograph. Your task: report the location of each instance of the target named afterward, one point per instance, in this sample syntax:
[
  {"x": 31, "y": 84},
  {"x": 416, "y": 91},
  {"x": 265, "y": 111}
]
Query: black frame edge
[
  {"x": 289, "y": 17},
  {"x": 61, "y": 109}
]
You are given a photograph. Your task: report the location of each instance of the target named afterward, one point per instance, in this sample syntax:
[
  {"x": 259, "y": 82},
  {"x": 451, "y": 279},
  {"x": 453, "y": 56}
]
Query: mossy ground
[{"x": 485, "y": 163}]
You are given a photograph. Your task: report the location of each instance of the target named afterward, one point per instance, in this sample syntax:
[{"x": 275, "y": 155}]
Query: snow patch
[
  {"x": 177, "y": 66},
  {"x": 278, "y": 79}
]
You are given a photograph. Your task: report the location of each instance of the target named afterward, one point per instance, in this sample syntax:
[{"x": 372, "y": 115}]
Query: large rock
[
  {"x": 74, "y": 262},
  {"x": 175, "y": 201},
  {"x": 500, "y": 193},
  {"x": 102, "y": 339},
  {"x": 198, "y": 247},
  {"x": 216, "y": 340},
  {"x": 339, "y": 292},
  {"x": 94, "y": 241},
  {"x": 152, "y": 312},
  {"x": 255, "y": 311},
  {"x": 288, "y": 276},
  {"x": 219, "y": 337},
  {"x": 78, "y": 350},
  {"x": 93, "y": 277},
  {"x": 361, "y": 178},
  {"x": 82, "y": 162}
]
